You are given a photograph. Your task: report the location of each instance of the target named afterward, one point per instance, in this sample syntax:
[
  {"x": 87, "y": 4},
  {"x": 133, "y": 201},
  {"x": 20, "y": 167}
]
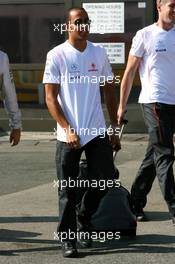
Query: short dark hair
[
  {"x": 161, "y": 1},
  {"x": 67, "y": 18}
]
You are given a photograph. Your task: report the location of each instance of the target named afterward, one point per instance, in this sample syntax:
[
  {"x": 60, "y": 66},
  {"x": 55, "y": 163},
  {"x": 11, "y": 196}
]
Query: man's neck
[
  {"x": 164, "y": 25},
  {"x": 78, "y": 44}
]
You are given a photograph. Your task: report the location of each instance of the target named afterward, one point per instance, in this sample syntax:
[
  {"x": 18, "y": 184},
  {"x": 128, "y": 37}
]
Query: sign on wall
[
  {"x": 115, "y": 51},
  {"x": 106, "y": 17}
]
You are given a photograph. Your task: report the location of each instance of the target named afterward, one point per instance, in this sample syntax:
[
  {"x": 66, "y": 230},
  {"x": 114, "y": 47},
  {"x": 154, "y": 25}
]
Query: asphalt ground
[{"x": 29, "y": 208}]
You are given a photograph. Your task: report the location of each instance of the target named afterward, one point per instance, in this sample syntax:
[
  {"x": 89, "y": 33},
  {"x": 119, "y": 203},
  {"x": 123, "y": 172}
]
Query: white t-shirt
[
  {"x": 156, "y": 46},
  {"x": 79, "y": 74}
]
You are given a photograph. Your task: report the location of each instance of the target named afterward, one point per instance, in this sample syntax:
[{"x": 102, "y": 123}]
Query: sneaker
[{"x": 69, "y": 249}]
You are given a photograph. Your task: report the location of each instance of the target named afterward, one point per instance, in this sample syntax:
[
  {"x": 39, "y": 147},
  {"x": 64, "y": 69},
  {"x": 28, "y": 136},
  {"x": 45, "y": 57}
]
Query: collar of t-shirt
[{"x": 71, "y": 47}]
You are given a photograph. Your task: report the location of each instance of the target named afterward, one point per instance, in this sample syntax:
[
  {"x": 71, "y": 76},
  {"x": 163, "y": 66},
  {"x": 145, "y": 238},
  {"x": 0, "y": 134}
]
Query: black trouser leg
[
  {"x": 67, "y": 164},
  {"x": 144, "y": 179},
  {"x": 100, "y": 168},
  {"x": 160, "y": 121},
  {"x": 164, "y": 152}
]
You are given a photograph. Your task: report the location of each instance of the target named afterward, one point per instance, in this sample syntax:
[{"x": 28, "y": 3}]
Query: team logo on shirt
[
  {"x": 160, "y": 50},
  {"x": 74, "y": 71},
  {"x": 93, "y": 68},
  {"x": 160, "y": 46},
  {"x": 74, "y": 67}
]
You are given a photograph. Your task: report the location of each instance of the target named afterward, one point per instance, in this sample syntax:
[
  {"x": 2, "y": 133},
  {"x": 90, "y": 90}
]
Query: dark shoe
[
  {"x": 83, "y": 223},
  {"x": 173, "y": 220},
  {"x": 69, "y": 249},
  {"x": 140, "y": 215},
  {"x": 84, "y": 229},
  {"x": 84, "y": 239}
]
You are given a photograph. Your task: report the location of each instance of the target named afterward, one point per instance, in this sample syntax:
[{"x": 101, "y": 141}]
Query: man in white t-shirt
[
  {"x": 8, "y": 94},
  {"x": 153, "y": 52},
  {"x": 73, "y": 73}
]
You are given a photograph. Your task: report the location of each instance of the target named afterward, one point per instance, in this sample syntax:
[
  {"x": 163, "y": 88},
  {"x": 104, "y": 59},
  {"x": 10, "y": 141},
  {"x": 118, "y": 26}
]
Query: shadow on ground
[{"x": 149, "y": 243}]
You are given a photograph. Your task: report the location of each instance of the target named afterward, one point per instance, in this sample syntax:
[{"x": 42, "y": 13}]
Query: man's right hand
[
  {"x": 73, "y": 139},
  {"x": 120, "y": 115},
  {"x": 15, "y": 135}
]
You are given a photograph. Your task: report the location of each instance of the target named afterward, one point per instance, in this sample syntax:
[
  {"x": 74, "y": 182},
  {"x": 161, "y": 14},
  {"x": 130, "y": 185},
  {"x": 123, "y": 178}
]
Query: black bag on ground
[{"x": 115, "y": 211}]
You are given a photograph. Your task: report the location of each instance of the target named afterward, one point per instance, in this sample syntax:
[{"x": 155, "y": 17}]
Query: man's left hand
[
  {"x": 15, "y": 135},
  {"x": 115, "y": 142}
]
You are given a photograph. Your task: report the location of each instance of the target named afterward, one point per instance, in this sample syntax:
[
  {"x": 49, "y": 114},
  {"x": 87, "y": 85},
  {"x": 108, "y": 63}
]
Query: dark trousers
[
  {"x": 159, "y": 157},
  {"x": 99, "y": 157}
]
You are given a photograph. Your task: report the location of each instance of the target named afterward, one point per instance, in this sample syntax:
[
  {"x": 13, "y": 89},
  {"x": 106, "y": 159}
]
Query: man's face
[
  {"x": 79, "y": 25},
  {"x": 167, "y": 11}
]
